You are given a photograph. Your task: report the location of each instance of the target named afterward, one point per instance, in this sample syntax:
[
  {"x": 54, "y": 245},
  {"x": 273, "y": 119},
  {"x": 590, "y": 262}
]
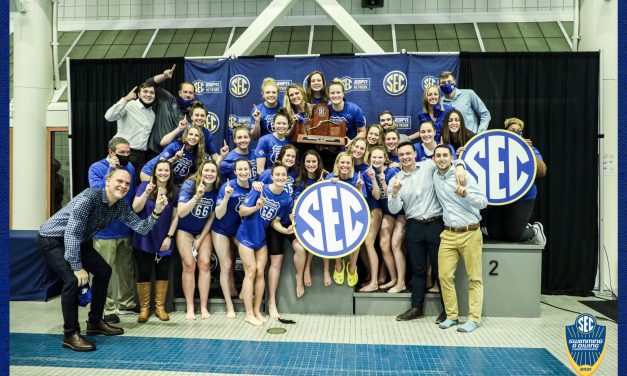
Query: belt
[
  {"x": 428, "y": 220},
  {"x": 471, "y": 227}
]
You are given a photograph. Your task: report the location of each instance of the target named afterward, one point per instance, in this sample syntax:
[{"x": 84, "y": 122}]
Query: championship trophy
[{"x": 320, "y": 130}]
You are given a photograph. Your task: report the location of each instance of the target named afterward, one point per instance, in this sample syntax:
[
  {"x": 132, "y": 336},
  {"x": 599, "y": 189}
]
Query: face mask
[
  {"x": 124, "y": 159},
  {"x": 146, "y": 105},
  {"x": 447, "y": 88},
  {"x": 518, "y": 133},
  {"x": 184, "y": 103}
]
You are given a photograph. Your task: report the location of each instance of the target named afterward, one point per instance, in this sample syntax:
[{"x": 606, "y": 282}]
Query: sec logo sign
[
  {"x": 395, "y": 82},
  {"x": 503, "y": 164},
  {"x": 213, "y": 123},
  {"x": 332, "y": 219},
  {"x": 239, "y": 86},
  {"x": 429, "y": 81}
]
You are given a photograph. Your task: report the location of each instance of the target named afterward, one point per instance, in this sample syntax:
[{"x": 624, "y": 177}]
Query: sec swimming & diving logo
[
  {"x": 332, "y": 219},
  {"x": 585, "y": 344}
]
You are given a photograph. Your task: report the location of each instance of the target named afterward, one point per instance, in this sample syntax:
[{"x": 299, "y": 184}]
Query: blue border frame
[
  {"x": 4, "y": 190},
  {"x": 622, "y": 179}
]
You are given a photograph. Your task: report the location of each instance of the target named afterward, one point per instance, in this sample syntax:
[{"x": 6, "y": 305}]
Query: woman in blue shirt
[
  {"x": 153, "y": 250},
  {"x": 316, "y": 88},
  {"x": 287, "y": 158},
  {"x": 197, "y": 201},
  {"x": 310, "y": 172},
  {"x": 433, "y": 109},
  {"x": 231, "y": 196},
  {"x": 260, "y": 209},
  {"x": 344, "y": 170},
  {"x": 374, "y": 136},
  {"x": 241, "y": 138},
  {"x": 454, "y": 131},
  {"x": 262, "y": 115},
  {"x": 359, "y": 152},
  {"x": 184, "y": 155},
  {"x": 392, "y": 139},
  {"x": 270, "y": 145},
  {"x": 427, "y": 144},
  {"x": 198, "y": 114}
]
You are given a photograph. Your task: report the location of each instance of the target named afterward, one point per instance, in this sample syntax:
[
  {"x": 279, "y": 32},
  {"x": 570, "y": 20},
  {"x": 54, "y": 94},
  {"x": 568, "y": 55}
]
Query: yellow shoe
[
  {"x": 338, "y": 277},
  {"x": 352, "y": 278}
]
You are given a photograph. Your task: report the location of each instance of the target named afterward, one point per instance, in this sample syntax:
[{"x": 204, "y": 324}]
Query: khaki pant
[
  {"x": 118, "y": 253},
  {"x": 453, "y": 246}
]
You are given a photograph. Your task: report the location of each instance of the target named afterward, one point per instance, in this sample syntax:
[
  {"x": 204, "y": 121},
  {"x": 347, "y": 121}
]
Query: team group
[{"x": 164, "y": 181}]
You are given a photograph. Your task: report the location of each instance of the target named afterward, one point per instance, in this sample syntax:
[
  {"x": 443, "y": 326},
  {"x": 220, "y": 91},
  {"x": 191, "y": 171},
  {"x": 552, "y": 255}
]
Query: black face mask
[
  {"x": 123, "y": 159},
  {"x": 146, "y": 105}
]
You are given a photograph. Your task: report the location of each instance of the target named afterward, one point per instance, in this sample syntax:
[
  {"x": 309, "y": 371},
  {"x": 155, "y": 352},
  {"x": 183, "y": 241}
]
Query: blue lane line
[{"x": 281, "y": 358}]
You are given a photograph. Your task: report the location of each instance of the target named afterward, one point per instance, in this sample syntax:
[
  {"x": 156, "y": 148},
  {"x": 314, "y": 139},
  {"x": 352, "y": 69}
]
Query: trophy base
[{"x": 321, "y": 140}]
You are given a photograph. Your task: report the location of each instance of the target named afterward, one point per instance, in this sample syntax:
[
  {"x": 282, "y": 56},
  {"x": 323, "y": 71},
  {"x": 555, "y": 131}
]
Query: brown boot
[
  {"x": 161, "y": 291},
  {"x": 143, "y": 292}
]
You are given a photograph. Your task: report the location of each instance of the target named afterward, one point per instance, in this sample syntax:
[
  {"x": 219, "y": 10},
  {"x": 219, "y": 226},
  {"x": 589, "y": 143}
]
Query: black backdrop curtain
[
  {"x": 97, "y": 85},
  {"x": 557, "y": 96}
]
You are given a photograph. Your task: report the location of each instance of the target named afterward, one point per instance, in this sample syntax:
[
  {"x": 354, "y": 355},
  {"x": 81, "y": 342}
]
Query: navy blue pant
[
  {"x": 509, "y": 222},
  {"x": 53, "y": 250},
  {"x": 422, "y": 241}
]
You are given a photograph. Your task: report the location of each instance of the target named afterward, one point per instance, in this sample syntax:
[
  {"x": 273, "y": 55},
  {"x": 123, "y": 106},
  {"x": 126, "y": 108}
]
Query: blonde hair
[
  {"x": 288, "y": 105},
  {"x": 513, "y": 120},
  {"x": 355, "y": 140},
  {"x": 425, "y": 102},
  {"x": 337, "y": 81},
  {"x": 336, "y": 170},
  {"x": 269, "y": 81}
]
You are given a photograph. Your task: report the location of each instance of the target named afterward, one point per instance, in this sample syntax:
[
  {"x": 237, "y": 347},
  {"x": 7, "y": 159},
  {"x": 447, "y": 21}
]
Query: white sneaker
[{"x": 539, "y": 237}]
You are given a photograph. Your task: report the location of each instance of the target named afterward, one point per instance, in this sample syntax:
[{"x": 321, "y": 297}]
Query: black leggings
[
  {"x": 145, "y": 262},
  {"x": 509, "y": 222}
]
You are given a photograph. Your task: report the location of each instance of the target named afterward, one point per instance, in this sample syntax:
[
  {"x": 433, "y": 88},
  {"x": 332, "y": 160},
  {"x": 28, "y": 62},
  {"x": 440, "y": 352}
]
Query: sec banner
[
  {"x": 332, "y": 219},
  {"x": 502, "y": 163}
]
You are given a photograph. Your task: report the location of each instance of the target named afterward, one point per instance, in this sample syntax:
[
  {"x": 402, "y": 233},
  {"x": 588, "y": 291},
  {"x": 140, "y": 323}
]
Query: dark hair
[
  {"x": 461, "y": 136},
  {"x": 302, "y": 171},
  {"x": 250, "y": 165},
  {"x": 323, "y": 94},
  {"x": 284, "y": 149},
  {"x": 285, "y": 113},
  {"x": 195, "y": 105},
  {"x": 405, "y": 143},
  {"x": 146, "y": 84},
  {"x": 169, "y": 185},
  {"x": 277, "y": 165},
  {"x": 385, "y": 112},
  {"x": 444, "y": 75},
  {"x": 428, "y": 121},
  {"x": 187, "y": 83},
  {"x": 443, "y": 146}
]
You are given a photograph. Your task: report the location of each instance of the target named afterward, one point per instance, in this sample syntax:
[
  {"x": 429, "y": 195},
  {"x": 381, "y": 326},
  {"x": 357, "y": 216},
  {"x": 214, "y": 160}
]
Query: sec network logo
[
  {"x": 207, "y": 87},
  {"x": 239, "y": 86},
  {"x": 395, "y": 82},
  {"x": 503, "y": 164},
  {"x": 332, "y": 219},
  {"x": 585, "y": 344},
  {"x": 355, "y": 84}
]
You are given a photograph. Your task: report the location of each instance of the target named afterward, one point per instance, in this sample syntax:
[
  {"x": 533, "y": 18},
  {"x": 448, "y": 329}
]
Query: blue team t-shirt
[
  {"x": 353, "y": 115},
  {"x": 352, "y": 181},
  {"x": 230, "y": 222},
  {"x": 269, "y": 148},
  {"x": 266, "y": 122},
  {"x": 439, "y": 119},
  {"x": 266, "y": 178},
  {"x": 389, "y": 172},
  {"x": 252, "y": 231},
  {"x": 533, "y": 191},
  {"x": 181, "y": 168},
  {"x": 196, "y": 219},
  {"x": 227, "y": 167},
  {"x": 372, "y": 202}
]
